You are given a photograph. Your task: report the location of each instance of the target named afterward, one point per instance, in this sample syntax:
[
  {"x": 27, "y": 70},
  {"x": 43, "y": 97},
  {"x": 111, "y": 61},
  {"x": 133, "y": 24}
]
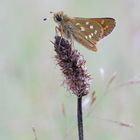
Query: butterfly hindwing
[{"x": 86, "y": 32}]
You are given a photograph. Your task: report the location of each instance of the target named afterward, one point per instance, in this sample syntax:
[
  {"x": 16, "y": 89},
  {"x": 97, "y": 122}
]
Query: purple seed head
[{"x": 72, "y": 65}]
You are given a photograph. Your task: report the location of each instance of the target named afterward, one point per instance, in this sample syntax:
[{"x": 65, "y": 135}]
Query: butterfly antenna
[
  {"x": 51, "y": 12},
  {"x": 44, "y": 19}
]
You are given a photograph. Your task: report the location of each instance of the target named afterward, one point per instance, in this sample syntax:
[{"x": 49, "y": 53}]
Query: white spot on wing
[
  {"x": 77, "y": 24},
  {"x": 87, "y": 23},
  {"x": 82, "y": 28},
  {"x": 86, "y": 37},
  {"x": 90, "y": 36},
  {"x": 91, "y": 26},
  {"x": 95, "y": 32}
]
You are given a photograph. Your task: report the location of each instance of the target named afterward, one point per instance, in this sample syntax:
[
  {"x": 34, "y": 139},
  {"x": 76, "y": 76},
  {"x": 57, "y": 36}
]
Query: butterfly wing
[
  {"x": 86, "y": 32},
  {"x": 108, "y": 24}
]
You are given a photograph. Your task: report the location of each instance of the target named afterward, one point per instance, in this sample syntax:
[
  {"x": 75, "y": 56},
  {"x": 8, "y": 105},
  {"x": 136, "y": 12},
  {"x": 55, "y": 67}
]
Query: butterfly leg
[
  {"x": 58, "y": 30},
  {"x": 71, "y": 41}
]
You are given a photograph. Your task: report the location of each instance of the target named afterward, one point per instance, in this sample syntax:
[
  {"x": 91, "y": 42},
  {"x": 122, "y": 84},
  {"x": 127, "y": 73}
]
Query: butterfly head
[{"x": 60, "y": 17}]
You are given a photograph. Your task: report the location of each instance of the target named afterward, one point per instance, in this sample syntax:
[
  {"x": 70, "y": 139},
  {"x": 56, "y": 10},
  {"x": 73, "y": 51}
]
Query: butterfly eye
[{"x": 58, "y": 18}]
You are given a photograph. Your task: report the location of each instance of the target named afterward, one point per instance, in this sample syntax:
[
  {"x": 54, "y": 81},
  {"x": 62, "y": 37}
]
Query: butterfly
[{"x": 86, "y": 31}]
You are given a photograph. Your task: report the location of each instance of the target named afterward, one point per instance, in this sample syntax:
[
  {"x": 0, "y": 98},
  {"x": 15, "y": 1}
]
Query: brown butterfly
[{"x": 86, "y": 31}]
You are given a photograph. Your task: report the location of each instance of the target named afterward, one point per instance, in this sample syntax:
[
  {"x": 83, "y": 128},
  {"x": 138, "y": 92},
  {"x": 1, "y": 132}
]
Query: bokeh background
[{"x": 31, "y": 85}]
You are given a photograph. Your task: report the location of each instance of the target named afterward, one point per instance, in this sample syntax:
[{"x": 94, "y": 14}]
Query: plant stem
[{"x": 79, "y": 118}]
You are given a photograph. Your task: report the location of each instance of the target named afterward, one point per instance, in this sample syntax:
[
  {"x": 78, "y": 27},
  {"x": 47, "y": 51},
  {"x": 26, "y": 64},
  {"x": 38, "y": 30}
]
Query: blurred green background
[{"x": 31, "y": 90}]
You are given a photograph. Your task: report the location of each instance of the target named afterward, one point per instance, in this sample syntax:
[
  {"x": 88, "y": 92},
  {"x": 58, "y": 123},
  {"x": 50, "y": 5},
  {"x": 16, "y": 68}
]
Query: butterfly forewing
[
  {"x": 86, "y": 32},
  {"x": 108, "y": 24}
]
